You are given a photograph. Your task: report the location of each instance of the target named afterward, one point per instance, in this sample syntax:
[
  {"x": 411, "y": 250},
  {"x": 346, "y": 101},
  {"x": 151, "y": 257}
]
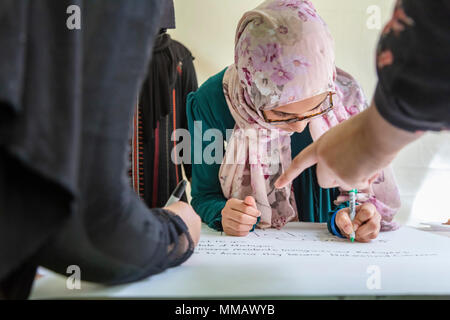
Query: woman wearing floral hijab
[{"x": 282, "y": 92}]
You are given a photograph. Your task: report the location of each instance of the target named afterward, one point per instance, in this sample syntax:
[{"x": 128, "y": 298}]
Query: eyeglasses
[{"x": 324, "y": 107}]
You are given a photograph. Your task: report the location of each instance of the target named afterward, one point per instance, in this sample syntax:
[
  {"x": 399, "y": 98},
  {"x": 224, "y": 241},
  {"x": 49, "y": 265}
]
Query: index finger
[{"x": 302, "y": 161}]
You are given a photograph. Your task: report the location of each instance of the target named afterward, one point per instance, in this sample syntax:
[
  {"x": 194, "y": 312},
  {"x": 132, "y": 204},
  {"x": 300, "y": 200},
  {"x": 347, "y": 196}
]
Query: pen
[
  {"x": 352, "y": 193},
  {"x": 177, "y": 193}
]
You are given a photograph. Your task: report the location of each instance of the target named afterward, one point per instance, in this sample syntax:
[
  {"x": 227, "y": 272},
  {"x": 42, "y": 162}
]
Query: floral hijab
[{"x": 283, "y": 54}]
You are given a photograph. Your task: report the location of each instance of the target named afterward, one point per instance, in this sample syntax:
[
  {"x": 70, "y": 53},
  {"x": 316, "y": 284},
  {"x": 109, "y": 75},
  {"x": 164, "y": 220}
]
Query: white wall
[
  {"x": 423, "y": 173},
  {"x": 207, "y": 28}
]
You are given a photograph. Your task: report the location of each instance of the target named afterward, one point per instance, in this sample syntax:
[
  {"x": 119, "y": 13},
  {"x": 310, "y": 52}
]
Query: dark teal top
[{"x": 208, "y": 106}]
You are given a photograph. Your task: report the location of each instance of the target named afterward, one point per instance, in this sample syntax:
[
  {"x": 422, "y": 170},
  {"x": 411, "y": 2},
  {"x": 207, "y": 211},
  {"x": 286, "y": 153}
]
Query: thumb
[
  {"x": 250, "y": 201},
  {"x": 343, "y": 221},
  {"x": 302, "y": 161}
]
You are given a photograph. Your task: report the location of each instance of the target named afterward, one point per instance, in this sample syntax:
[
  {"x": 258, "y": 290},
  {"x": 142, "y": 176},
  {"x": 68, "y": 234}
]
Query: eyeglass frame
[{"x": 298, "y": 119}]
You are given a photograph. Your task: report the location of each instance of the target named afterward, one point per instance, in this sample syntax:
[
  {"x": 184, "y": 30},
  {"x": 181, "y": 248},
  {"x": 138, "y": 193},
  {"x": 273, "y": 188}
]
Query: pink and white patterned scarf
[{"x": 284, "y": 53}]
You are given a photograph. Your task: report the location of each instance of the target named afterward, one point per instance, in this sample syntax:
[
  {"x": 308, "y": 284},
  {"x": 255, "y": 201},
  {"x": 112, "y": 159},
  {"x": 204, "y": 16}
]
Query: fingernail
[{"x": 355, "y": 227}]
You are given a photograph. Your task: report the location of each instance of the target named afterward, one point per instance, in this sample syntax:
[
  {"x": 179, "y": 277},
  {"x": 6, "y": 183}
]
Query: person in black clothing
[
  {"x": 66, "y": 102},
  {"x": 161, "y": 110},
  {"x": 412, "y": 96}
]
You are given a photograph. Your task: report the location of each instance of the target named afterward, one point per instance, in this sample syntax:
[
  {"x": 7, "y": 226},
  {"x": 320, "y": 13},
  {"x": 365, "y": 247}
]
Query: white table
[{"x": 294, "y": 263}]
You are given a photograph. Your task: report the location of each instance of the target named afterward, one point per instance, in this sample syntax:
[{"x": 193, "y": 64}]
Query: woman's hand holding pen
[
  {"x": 367, "y": 222},
  {"x": 239, "y": 216},
  {"x": 190, "y": 218}
]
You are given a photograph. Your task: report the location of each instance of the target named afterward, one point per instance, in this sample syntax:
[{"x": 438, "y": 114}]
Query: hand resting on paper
[
  {"x": 366, "y": 223},
  {"x": 239, "y": 216}
]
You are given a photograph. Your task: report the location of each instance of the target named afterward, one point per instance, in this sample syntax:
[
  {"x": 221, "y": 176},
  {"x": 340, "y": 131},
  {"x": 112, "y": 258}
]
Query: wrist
[{"x": 334, "y": 227}]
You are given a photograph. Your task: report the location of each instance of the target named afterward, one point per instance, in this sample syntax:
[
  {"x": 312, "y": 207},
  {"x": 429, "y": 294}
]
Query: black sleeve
[
  {"x": 65, "y": 197},
  {"x": 413, "y": 64},
  {"x": 119, "y": 248}
]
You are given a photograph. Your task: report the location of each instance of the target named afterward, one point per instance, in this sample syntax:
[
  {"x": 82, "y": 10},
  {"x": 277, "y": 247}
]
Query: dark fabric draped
[
  {"x": 160, "y": 111},
  {"x": 66, "y": 103},
  {"x": 168, "y": 16},
  {"x": 156, "y": 94}
]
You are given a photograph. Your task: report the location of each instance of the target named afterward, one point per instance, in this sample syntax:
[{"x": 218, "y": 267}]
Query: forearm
[
  {"x": 209, "y": 208},
  {"x": 379, "y": 140}
]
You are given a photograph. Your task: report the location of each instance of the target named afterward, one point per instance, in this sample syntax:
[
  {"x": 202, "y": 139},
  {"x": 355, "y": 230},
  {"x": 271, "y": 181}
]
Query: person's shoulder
[
  {"x": 213, "y": 85},
  {"x": 346, "y": 82},
  {"x": 349, "y": 100},
  {"x": 211, "y": 91},
  {"x": 209, "y": 100},
  {"x": 349, "y": 91}
]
